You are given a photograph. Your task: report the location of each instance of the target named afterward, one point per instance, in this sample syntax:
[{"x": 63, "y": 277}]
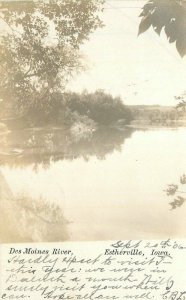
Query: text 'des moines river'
[{"x": 90, "y": 271}]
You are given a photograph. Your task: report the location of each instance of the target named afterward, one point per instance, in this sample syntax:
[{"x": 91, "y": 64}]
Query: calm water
[{"x": 109, "y": 186}]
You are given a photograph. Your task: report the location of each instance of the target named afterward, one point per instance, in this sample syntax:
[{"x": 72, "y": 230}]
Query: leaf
[
  {"x": 145, "y": 24},
  {"x": 183, "y": 178},
  {"x": 181, "y": 46},
  {"x": 171, "y": 32},
  {"x": 169, "y": 15}
]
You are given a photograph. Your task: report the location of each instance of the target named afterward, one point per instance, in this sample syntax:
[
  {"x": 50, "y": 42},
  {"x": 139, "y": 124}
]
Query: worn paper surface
[
  {"x": 92, "y": 124},
  {"x": 92, "y": 149},
  {"x": 117, "y": 270}
]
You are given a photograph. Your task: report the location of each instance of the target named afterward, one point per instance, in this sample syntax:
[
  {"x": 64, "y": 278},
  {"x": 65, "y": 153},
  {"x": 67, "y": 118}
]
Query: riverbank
[
  {"x": 153, "y": 127},
  {"x": 147, "y": 124},
  {"x": 24, "y": 219}
]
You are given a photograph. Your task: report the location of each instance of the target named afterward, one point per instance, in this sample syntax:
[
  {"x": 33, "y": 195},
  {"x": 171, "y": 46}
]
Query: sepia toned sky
[{"x": 142, "y": 70}]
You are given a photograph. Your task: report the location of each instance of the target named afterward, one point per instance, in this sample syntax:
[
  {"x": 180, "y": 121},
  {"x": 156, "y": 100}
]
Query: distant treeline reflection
[{"x": 44, "y": 146}]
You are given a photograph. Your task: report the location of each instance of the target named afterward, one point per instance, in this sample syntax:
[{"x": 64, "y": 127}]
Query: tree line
[{"x": 40, "y": 52}]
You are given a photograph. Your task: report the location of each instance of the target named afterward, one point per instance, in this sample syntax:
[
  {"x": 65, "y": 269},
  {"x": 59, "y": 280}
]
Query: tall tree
[{"x": 40, "y": 50}]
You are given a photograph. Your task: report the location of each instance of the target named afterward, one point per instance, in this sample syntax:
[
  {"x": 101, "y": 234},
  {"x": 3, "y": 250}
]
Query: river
[{"x": 108, "y": 186}]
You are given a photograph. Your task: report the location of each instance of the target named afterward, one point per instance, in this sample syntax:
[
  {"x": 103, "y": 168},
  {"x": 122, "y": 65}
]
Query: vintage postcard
[
  {"x": 92, "y": 142},
  {"x": 94, "y": 270},
  {"x": 92, "y": 120}
]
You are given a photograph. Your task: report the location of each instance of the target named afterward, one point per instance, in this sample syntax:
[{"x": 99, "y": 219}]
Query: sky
[{"x": 142, "y": 70}]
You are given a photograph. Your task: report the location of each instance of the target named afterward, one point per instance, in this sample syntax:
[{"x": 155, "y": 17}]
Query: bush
[
  {"x": 100, "y": 107},
  {"x": 69, "y": 108}
]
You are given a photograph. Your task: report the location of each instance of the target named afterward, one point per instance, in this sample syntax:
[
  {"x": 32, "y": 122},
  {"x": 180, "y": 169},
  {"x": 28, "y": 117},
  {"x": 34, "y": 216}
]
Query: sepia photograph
[{"x": 92, "y": 120}]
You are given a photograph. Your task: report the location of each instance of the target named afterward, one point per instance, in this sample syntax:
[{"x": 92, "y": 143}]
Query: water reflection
[
  {"x": 41, "y": 147},
  {"x": 23, "y": 219},
  {"x": 122, "y": 186}
]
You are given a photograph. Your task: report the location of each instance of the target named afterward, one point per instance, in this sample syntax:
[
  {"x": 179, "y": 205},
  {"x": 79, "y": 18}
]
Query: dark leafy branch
[
  {"x": 177, "y": 192},
  {"x": 167, "y": 15}
]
